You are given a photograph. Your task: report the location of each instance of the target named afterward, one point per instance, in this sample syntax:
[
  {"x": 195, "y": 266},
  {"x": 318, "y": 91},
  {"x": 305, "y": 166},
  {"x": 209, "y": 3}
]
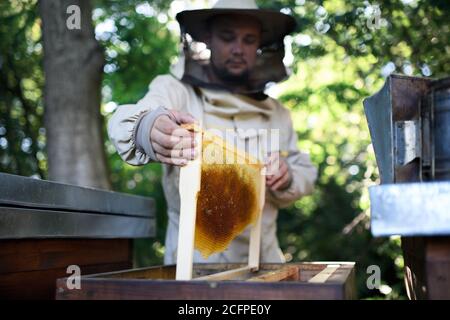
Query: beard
[{"x": 232, "y": 79}]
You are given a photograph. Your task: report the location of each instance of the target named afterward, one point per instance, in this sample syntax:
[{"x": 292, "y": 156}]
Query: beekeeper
[{"x": 229, "y": 54}]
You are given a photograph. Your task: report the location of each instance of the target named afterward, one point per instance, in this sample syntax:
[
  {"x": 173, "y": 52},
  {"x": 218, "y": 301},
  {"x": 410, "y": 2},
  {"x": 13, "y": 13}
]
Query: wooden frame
[
  {"x": 189, "y": 186},
  {"x": 159, "y": 283}
]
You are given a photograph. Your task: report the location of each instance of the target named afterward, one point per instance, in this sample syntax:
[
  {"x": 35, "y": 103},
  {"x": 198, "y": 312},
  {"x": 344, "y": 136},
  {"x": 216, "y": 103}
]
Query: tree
[{"x": 73, "y": 66}]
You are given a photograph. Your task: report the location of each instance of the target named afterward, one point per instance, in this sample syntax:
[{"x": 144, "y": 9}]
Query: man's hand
[
  {"x": 173, "y": 144},
  {"x": 278, "y": 175}
]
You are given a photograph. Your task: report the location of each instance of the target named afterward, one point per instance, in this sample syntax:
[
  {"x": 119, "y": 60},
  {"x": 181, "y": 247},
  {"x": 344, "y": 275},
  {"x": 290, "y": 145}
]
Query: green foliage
[
  {"x": 337, "y": 60},
  {"x": 138, "y": 47},
  {"x": 22, "y": 138}
]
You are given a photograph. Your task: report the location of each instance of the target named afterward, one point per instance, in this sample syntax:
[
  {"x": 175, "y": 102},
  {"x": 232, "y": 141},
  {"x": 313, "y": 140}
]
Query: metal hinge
[{"x": 407, "y": 142}]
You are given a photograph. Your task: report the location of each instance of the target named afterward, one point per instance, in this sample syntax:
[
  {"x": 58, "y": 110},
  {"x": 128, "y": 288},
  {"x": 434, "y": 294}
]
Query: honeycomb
[{"x": 229, "y": 196}]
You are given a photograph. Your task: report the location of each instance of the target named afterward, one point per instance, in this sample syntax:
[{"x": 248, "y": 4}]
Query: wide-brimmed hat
[{"x": 275, "y": 25}]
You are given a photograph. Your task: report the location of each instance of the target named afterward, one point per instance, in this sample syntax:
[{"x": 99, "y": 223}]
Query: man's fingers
[
  {"x": 273, "y": 164},
  {"x": 159, "y": 149},
  {"x": 281, "y": 182},
  {"x": 165, "y": 124},
  {"x": 173, "y": 161},
  {"x": 180, "y": 138},
  {"x": 168, "y": 127},
  {"x": 185, "y": 118},
  {"x": 182, "y": 117},
  {"x": 164, "y": 140},
  {"x": 273, "y": 157},
  {"x": 271, "y": 182},
  {"x": 281, "y": 178},
  {"x": 277, "y": 174},
  {"x": 186, "y": 143},
  {"x": 275, "y": 180},
  {"x": 183, "y": 133},
  {"x": 187, "y": 152},
  {"x": 283, "y": 168},
  {"x": 171, "y": 141}
]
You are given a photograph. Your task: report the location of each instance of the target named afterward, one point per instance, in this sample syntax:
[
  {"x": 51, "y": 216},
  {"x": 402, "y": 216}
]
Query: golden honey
[{"x": 229, "y": 196}]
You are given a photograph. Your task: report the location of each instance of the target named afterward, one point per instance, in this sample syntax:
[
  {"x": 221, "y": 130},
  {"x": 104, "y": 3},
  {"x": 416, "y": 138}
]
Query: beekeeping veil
[{"x": 194, "y": 60}]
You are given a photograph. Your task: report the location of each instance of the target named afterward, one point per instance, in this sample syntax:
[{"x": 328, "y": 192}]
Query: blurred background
[{"x": 341, "y": 53}]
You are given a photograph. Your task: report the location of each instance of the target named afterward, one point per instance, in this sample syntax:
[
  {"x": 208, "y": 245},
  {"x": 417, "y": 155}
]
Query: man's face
[{"x": 234, "y": 41}]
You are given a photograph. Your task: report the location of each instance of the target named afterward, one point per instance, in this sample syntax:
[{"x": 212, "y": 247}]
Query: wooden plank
[
  {"x": 438, "y": 268},
  {"x": 41, "y": 284},
  {"x": 438, "y": 249},
  {"x": 150, "y": 273},
  {"x": 427, "y": 267},
  {"x": 226, "y": 275},
  {"x": 255, "y": 233},
  {"x": 286, "y": 273},
  {"x": 414, "y": 270},
  {"x": 101, "y": 287},
  {"x": 345, "y": 274},
  {"x": 323, "y": 275},
  {"x": 189, "y": 187},
  {"x": 119, "y": 289},
  {"x": 30, "y": 267},
  {"x": 42, "y": 254}
]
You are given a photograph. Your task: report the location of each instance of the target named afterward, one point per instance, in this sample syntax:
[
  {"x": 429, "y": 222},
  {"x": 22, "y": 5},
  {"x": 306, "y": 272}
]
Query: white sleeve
[
  {"x": 304, "y": 173},
  {"x": 164, "y": 91}
]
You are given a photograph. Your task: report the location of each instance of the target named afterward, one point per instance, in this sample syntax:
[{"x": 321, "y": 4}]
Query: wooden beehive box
[
  {"x": 46, "y": 226},
  {"x": 317, "y": 280},
  {"x": 204, "y": 199}
]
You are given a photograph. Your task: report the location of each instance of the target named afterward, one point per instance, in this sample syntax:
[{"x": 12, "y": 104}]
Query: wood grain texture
[
  {"x": 225, "y": 275},
  {"x": 323, "y": 275},
  {"x": 438, "y": 268},
  {"x": 41, "y": 285},
  {"x": 255, "y": 232},
  {"x": 114, "y": 289},
  {"x": 283, "y": 274},
  {"x": 112, "y": 286},
  {"x": 29, "y": 268},
  {"x": 427, "y": 267},
  {"x": 189, "y": 188}
]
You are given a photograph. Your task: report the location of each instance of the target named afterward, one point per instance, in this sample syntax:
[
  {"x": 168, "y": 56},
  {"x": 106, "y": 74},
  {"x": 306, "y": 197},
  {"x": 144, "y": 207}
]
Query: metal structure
[
  {"x": 409, "y": 122},
  {"x": 31, "y": 208}
]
